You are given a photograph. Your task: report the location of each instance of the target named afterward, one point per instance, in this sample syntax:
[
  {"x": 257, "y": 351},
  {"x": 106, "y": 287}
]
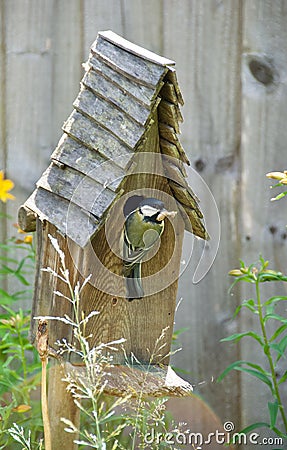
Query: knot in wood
[
  {"x": 262, "y": 71},
  {"x": 199, "y": 165}
]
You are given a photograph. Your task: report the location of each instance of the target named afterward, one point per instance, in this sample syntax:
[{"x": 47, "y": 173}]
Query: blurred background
[{"x": 231, "y": 60}]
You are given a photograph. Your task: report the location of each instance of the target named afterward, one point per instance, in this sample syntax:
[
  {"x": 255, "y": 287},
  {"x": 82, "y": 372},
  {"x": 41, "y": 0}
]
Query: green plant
[
  {"x": 18, "y": 435},
  {"x": 273, "y": 344},
  {"x": 281, "y": 177},
  {"x": 19, "y": 366}
]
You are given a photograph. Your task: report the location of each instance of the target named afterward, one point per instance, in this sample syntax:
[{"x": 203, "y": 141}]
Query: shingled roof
[{"x": 122, "y": 87}]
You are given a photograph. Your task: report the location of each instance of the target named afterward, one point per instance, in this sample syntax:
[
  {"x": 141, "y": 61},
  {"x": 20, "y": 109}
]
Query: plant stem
[
  {"x": 22, "y": 354},
  {"x": 269, "y": 357}
]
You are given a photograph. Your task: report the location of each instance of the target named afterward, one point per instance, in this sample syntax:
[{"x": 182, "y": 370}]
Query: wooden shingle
[{"x": 124, "y": 86}]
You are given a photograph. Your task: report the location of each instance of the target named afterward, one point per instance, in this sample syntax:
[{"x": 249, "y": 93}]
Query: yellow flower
[
  {"x": 21, "y": 408},
  {"x": 28, "y": 239},
  {"x": 5, "y": 186},
  {"x": 280, "y": 176},
  {"x": 235, "y": 273}
]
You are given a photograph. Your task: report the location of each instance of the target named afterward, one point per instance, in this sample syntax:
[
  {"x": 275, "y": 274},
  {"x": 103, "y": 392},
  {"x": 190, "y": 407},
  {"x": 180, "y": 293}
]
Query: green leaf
[
  {"x": 249, "y": 304},
  {"x": 275, "y": 317},
  {"x": 178, "y": 332},
  {"x": 254, "y": 426},
  {"x": 279, "y": 433},
  {"x": 283, "y": 378},
  {"x": 275, "y": 299},
  {"x": 5, "y": 298},
  {"x": 244, "y": 277},
  {"x": 255, "y": 373},
  {"x": 236, "y": 364},
  {"x": 279, "y": 195},
  {"x": 238, "y": 336},
  {"x": 282, "y": 345},
  {"x": 5, "y": 270},
  {"x": 264, "y": 263},
  {"x": 273, "y": 411},
  {"x": 268, "y": 276},
  {"x": 278, "y": 332},
  {"x": 22, "y": 279},
  {"x": 277, "y": 349}
]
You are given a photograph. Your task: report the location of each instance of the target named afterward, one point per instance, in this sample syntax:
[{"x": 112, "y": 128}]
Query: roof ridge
[{"x": 135, "y": 49}]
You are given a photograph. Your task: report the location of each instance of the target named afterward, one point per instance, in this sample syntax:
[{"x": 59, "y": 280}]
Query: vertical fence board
[
  {"x": 28, "y": 79},
  {"x": 143, "y": 22},
  {"x": 3, "y": 150},
  {"x": 100, "y": 15},
  {"x": 42, "y": 76},
  {"x": 2, "y": 86},
  {"x": 204, "y": 39},
  {"x": 264, "y": 136},
  {"x": 28, "y": 98},
  {"x": 67, "y": 47}
]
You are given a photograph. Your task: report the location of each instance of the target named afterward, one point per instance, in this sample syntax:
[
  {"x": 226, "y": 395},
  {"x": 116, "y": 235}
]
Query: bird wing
[{"x": 132, "y": 255}]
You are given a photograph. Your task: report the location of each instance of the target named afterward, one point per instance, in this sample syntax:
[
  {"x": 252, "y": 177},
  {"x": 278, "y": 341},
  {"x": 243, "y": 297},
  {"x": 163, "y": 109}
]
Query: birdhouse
[{"x": 119, "y": 147}]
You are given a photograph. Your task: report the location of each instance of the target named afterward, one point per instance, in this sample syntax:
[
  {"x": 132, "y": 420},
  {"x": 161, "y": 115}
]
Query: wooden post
[{"x": 61, "y": 404}]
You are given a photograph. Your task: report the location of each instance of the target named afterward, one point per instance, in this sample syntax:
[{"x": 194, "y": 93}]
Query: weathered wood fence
[{"x": 231, "y": 60}]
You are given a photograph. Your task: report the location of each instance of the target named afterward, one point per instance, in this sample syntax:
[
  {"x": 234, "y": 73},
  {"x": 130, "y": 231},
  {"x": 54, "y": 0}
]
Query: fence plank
[
  {"x": 40, "y": 43},
  {"x": 28, "y": 35},
  {"x": 3, "y": 150},
  {"x": 264, "y": 136},
  {"x": 68, "y": 55},
  {"x": 143, "y": 22},
  {"x": 100, "y": 16},
  {"x": 204, "y": 40}
]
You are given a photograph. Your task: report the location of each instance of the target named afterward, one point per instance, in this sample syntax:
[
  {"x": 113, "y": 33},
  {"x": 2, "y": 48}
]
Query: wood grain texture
[
  {"x": 103, "y": 66},
  {"x": 264, "y": 136},
  {"x": 43, "y": 44},
  {"x": 133, "y": 66},
  {"x": 61, "y": 404},
  {"x": 208, "y": 66},
  {"x": 140, "y": 322},
  {"x": 93, "y": 136},
  {"x": 100, "y": 16},
  {"x": 3, "y": 131},
  {"x": 27, "y": 132},
  {"x": 136, "y": 29},
  {"x": 124, "y": 380},
  {"x": 117, "y": 96},
  {"x": 77, "y": 188},
  {"x": 105, "y": 114},
  {"x": 135, "y": 49},
  {"x": 89, "y": 162},
  {"x": 68, "y": 53}
]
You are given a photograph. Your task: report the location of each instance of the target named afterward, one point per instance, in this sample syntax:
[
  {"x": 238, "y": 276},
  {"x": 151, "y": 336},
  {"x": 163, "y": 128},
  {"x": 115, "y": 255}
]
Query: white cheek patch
[{"x": 148, "y": 211}]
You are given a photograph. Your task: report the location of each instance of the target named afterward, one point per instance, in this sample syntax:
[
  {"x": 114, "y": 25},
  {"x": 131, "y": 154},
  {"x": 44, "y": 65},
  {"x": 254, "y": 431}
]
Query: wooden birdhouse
[{"x": 120, "y": 144}]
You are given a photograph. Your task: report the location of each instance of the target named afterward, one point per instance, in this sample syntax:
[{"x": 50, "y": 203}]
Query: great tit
[{"x": 143, "y": 227}]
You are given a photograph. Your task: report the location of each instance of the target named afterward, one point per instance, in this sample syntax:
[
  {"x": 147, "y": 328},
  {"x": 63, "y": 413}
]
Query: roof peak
[{"x": 137, "y": 50}]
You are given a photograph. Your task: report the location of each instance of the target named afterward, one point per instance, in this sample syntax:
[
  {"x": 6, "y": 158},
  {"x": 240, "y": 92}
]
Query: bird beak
[{"x": 164, "y": 213}]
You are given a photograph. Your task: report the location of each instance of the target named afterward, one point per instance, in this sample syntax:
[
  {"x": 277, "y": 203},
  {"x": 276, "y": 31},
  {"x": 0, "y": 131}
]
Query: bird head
[{"x": 153, "y": 209}]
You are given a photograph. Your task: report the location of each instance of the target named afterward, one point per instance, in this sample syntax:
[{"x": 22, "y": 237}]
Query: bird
[{"x": 142, "y": 229}]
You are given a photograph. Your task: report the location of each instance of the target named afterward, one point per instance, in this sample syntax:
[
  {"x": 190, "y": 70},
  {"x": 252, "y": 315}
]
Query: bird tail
[{"x": 133, "y": 282}]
